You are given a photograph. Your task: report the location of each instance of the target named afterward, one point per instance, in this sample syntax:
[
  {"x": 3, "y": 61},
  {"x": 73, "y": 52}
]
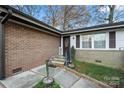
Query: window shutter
[
  {"x": 112, "y": 39},
  {"x": 77, "y": 41}
]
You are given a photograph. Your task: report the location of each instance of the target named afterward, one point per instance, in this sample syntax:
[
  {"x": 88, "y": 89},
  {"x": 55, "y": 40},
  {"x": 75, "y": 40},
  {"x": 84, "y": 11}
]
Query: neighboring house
[{"x": 26, "y": 43}]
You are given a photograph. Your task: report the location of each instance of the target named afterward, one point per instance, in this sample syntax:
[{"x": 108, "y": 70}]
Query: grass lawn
[
  {"x": 42, "y": 85},
  {"x": 101, "y": 73}
]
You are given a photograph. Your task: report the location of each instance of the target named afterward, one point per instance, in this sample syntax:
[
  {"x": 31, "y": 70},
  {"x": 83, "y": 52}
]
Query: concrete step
[
  {"x": 58, "y": 62},
  {"x": 59, "y": 59},
  {"x": 59, "y": 56}
]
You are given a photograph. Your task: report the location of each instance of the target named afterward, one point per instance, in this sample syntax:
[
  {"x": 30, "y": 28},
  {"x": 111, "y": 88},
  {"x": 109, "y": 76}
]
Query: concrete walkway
[
  {"x": 1, "y": 85},
  {"x": 63, "y": 77}
]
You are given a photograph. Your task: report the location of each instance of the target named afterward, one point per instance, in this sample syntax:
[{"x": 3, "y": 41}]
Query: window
[
  {"x": 99, "y": 40},
  {"x": 112, "y": 38},
  {"x": 86, "y": 41},
  {"x": 77, "y": 41}
]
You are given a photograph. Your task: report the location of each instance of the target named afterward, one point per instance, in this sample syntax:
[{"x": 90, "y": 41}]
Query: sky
[{"x": 40, "y": 14}]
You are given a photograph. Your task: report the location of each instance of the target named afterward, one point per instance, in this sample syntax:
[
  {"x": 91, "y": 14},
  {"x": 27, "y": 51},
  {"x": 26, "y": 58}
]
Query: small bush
[
  {"x": 72, "y": 53},
  {"x": 42, "y": 85}
]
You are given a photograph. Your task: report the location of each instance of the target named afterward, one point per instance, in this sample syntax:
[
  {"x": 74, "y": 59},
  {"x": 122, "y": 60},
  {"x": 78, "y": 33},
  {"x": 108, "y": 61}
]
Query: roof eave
[
  {"x": 23, "y": 16},
  {"x": 94, "y": 29}
]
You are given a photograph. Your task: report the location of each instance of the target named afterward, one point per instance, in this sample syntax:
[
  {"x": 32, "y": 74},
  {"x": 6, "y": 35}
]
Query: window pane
[
  {"x": 86, "y": 41},
  {"x": 99, "y": 40}
]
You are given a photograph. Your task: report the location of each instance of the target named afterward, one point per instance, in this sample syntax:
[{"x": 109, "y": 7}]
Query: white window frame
[
  {"x": 105, "y": 40},
  {"x": 81, "y": 36},
  {"x": 92, "y": 46}
]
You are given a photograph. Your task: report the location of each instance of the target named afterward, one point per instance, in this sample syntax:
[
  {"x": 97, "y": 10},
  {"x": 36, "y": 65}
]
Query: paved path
[
  {"x": 1, "y": 85},
  {"x": 65, "y": 78}
]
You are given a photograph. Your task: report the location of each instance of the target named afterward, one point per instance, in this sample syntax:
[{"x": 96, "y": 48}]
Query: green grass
[
  {"x": 101, "y": 73},
  {"x": 42, "y": 85}
]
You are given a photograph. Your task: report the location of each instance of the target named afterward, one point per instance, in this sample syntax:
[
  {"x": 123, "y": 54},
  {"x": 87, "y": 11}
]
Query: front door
[{"x": 66, "y": 48}]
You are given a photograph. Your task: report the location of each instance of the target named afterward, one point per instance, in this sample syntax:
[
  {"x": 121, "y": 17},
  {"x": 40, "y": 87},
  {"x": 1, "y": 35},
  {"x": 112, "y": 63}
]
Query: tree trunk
[{"x": 111, "y": 13}]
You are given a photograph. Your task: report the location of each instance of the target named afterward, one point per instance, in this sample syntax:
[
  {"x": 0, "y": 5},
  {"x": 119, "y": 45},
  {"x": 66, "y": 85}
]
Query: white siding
[
  {"x": 92, "y": 41},
  {"x": 107, "y": 40},
  {"x": 73, "y": 41},
  {"x": 61, "y": 52},
  {"x": 80, "y": 41},
  {"x": 120, "y": 40}
]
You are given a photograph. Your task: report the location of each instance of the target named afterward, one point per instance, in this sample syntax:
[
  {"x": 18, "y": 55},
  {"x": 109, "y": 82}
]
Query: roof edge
[
  {"x": 15, "y": 11},
  {"x": 99, "y": 26},
  {"x": 35, "y": 21}
]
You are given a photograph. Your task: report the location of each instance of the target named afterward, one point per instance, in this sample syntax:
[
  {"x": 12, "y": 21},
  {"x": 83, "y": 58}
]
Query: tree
[
  {"x": 74, "y": 17},
  {"x": 66, "y": 17},
  {"x": 111, "y": 13},
  {"x": 19, "y": 7},
  {"x": 32, "y": 10},
  {"x": 51, "y": 15},
  {"x": 107, "y": 13}
]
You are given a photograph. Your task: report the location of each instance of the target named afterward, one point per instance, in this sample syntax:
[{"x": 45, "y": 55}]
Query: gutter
[
  {"x": 89, "y": 30},
  {"x": 7, "y": 16},
  {"x": 2, "y": 43}
]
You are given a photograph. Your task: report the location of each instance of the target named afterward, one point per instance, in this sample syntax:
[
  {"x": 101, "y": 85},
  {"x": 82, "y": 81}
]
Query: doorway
[{"x": 66, "y": 48}]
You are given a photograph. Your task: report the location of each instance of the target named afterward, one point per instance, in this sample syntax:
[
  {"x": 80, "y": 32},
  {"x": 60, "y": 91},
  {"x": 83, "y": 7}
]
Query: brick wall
[
  {"x": 110, "y": 58},
  {"x": 27, "y": 48}
]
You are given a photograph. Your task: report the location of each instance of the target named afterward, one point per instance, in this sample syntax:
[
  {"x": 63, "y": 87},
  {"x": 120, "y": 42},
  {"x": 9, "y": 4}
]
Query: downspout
[{"x": 2, "y": 44}]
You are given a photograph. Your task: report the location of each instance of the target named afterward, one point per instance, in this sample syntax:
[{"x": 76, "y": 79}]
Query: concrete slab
[
  {"x": 83, "y": 83},
  {"x": 39, "y": 70},
  {"x": 23, "y": 80},
  {"x": 42, "y": 70},
  {"x": 1, "y": 86},
  {"x": 65, "y": 78}
]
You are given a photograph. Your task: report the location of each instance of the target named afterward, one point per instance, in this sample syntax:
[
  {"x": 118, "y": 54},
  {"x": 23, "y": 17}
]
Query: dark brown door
[{"x": 66, "y": 47}]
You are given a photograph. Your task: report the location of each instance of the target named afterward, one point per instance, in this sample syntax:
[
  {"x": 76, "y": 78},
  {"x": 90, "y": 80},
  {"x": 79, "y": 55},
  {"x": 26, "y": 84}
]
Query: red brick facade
[{"x": 27, "y": 48}]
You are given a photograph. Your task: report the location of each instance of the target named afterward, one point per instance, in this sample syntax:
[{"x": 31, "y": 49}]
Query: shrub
[{"x": 72, "y": 53}]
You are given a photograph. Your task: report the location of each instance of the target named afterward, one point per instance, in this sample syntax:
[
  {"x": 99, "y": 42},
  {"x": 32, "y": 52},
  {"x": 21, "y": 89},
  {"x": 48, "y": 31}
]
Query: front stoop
[{"x": 58, "y": 61}]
